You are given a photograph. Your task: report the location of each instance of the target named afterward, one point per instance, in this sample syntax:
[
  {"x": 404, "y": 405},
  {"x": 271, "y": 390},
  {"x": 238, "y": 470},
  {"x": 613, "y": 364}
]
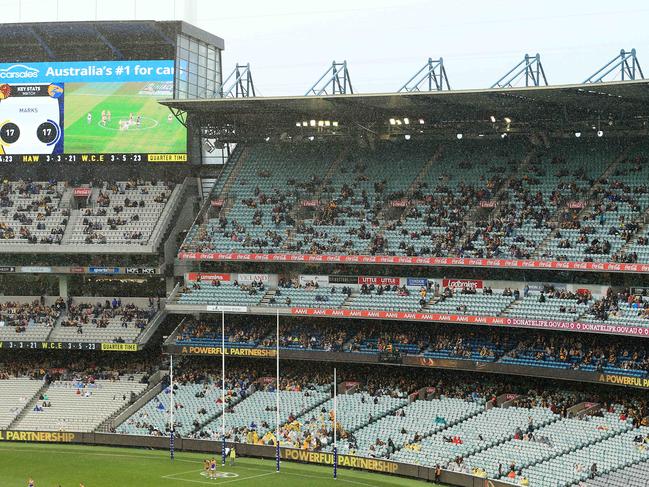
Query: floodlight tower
[
  {"x": 335, "y": 81},
  {"x": 431, "y": 77},
  {"x": 626, "y": 63},
  {"x": 530, "y": 69},
  {"x": 239, "y": 83}
]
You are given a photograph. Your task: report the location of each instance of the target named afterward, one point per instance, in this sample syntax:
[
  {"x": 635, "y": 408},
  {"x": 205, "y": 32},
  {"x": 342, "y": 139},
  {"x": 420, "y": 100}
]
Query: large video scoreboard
[{"x": 89, "y": 112}]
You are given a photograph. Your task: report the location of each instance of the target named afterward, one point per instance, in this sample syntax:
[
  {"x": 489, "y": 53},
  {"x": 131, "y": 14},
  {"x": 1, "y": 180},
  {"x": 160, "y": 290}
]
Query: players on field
[
  {"x": 233, "y": 456},
  {"x": 103, "y": 118},
  {"x": 30, "y": 482},
  {"x": 212, "y": 468},
  {"x": 89, "y": 118}
]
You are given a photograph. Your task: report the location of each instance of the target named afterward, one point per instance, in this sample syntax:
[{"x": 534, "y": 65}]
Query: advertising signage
[{"x": 89, "y": 112}]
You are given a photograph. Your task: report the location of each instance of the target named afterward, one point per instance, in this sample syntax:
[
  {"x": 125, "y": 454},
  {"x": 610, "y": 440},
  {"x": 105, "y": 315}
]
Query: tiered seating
[
  {"x": 539, "y": 194},
  {"x": 322, "y": 297},
  {"x": 268, "y": 184},
  {"x": 361, "y": 408},
  {"x": 354, "y": 191},
  {"x": 622, "y": 314},
  {"x": 311, "y": 336},
  {"x": 125, "y": 212},
  {"x": 609, "y": 455},
  {"x": 388, "y": 301},
  {"x": 77, "y": 406},
  {"x": 452, "y": 187},
  {"x": 600, "y": 233},
  {"x": 551, "y": 309},
  {"x": 632, "y": 476},
  {"x": 257, "y": 412},
  {"x": 226, "y": 295},
  {"x": 475, "y": 434},
  {"x": 16, "y": 393},
  {"x": 26, "y": 321},
  {"x": 470, "y": 347},
  {"x": 555, "y": 439},
  {"x": 473, "y": 304},
  {"x": 193, "y": 402},
  {"x": 102, "y": 322},
  {"x": 421, "y": 418},
  {"x": 201, "y": 333},
  {"x": 373, "y": 345},
  {"x": 30, "y": 212},
  {"x": 356, "y": 195}
]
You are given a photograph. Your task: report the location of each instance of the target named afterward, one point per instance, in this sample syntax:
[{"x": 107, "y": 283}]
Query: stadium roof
[
  {"x": 86, "y": 41},
  {"x": 612, "y": 106}
]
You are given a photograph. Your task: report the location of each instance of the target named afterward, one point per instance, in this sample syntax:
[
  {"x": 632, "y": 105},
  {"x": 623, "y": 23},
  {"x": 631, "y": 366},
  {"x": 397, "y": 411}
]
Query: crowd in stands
[
  {"x": 523, "y": 347},
  {"x": 30, "y": 211},
  {"x": 518, "y": 202},
  {"x": 48, "y": 365},
  {"x": 614, "y": 303},
  {"x": 370, "y": 400},
  {"x": 42, "y": 212},
  {"x": 24, "y": 316},
  {"x": 100, "y": 314},
  {"x": 623, "y": 306}
]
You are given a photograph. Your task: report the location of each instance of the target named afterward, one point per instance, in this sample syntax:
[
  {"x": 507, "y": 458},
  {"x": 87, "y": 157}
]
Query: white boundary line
[{"x": 28, "y": 446}]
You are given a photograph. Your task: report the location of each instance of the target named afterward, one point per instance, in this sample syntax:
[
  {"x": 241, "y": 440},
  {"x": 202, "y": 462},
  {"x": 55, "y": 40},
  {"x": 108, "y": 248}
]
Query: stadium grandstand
[{"x": 431, "y": 285}]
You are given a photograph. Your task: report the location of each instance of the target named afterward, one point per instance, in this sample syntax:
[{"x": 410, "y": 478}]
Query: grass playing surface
[
  {"x": 156, "y": 133},
  {"x": 68, "y": 465}
]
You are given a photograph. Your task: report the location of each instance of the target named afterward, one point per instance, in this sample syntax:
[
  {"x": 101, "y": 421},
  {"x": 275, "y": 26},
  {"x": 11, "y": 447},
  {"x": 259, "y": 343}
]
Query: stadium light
[
  {"x": 398, "y": 122},
  {"x": 421, "y": 121},
  {"x": 335, "y": 124},
  {"x": 320, "y": 123},
  {"x": 493, "y": 119},
  {"x": 312, "y": 123},
  {"x": 406, "y": 121},
  {"x": 267, "y": 139},
  {"x": 503, "y": 135},
  {"x": 577, "y": 134},
  {"x": 327, "y": 123},
  {"x": 599, "y": 133},
  {"x": 393, "y": 121},
  {"x": 507, "y": 120},
  {"x": 311, "y": 137},
  {"x": 407, "y": 136},
  {"x": 459, "y": 136},
  {"x": 298, "y": 124},
  {"x": 305, "y": 124}
]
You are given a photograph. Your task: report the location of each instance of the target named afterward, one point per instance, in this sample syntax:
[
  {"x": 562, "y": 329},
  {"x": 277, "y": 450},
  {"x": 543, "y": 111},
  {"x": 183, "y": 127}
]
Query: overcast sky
[{"x": 289, "y": 43}]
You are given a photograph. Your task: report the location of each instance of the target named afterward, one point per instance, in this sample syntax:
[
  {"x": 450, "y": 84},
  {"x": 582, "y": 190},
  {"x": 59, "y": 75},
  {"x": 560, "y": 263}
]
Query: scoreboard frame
[
  {"x": 90, "y": 346},
  {"x": 113, "y": 158}
]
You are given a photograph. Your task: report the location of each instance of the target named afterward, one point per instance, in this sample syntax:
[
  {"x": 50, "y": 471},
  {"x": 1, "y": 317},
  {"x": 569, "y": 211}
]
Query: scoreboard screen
[{"x": 89, "y": 112}]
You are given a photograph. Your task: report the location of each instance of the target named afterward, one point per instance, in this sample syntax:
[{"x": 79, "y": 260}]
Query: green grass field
[
  {"x": 68, "y": 465},
  {"x": 156, "y": 133}
]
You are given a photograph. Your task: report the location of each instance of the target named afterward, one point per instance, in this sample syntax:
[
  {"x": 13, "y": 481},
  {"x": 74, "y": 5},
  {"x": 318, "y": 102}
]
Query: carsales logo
[{"x": 18, "y": 71}]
